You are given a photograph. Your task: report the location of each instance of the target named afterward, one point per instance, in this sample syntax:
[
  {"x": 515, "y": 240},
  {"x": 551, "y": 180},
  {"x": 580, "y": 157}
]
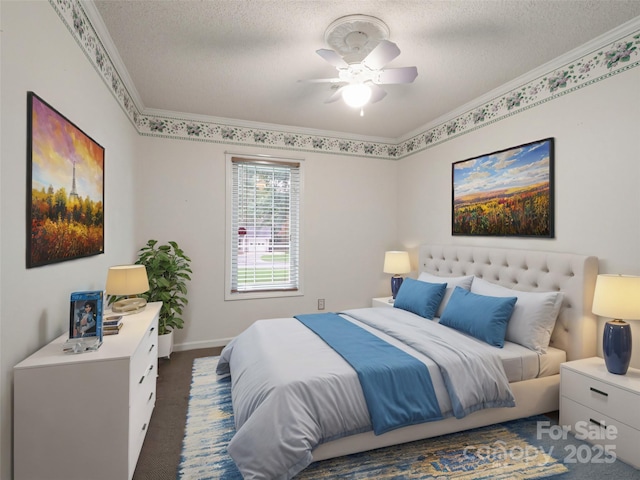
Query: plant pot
[{"x": 165, "y": 345}]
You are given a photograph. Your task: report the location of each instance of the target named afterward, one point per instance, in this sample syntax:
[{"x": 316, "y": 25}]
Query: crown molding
[
  {"x": 627, "y": 28},
  {"x": 105, "y": 39},
  {"x": 274, "y": 127},
  {"x": 614, "y": 52}
]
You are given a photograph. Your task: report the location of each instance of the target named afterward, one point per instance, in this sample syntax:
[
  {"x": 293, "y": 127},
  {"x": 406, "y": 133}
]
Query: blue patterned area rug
[{"x": 522, "y": 449}]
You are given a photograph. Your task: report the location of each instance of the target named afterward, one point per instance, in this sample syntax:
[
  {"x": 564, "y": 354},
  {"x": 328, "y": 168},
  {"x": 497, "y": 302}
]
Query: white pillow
[
  {"x": 534, "y": 315},
  {"x": 452, "y": 283}
]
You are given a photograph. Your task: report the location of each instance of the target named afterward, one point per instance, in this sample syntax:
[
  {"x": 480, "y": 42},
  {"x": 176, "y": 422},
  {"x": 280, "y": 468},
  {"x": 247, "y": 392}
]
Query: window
[{"x": 264, "y": 219}]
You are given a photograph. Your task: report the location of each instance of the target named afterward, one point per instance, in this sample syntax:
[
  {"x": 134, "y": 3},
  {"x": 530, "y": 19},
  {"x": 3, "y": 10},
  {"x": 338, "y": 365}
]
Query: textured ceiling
[{"x": 242, "y": 59}]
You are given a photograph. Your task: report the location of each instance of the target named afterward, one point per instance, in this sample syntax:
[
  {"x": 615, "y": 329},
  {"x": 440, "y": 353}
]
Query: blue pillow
[
  {"x": 483, "y": 317},
  {"x": 421, "y": 298}
]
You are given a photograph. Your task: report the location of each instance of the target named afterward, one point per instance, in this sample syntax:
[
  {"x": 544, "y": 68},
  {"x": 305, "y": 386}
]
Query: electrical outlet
[{"x": 321, "y": 304}]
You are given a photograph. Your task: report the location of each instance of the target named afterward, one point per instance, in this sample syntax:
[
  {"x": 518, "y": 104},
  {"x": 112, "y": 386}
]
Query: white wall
[
  {"x": 40, "y": 55},
  {"x": 597, "y": 184},
  {"x": 354, "y": 208},
  {"x": 348, "y": 215}
]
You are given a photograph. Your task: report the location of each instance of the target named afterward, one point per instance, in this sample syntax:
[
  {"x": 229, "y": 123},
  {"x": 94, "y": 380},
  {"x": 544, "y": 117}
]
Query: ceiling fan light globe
[{"x": 356, "y": 95}]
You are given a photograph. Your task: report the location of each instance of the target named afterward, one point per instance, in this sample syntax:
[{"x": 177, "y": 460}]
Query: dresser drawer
[
  {"x": 141, "y": 407},
  {"x": 140, "y": 417},
  {"x": 601, "y": 397},
  {"x": 144, "y": 365},
  {"x": 143, "y": 391},
  {"x": 145, "y": 359},
  {"x": 596, "y": 428},
  {"x": 147, "y": 345}
]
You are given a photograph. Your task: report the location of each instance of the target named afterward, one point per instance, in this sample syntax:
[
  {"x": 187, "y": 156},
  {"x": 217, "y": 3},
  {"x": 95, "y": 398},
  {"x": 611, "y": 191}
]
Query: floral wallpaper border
[{"x": 617, "y": 57}]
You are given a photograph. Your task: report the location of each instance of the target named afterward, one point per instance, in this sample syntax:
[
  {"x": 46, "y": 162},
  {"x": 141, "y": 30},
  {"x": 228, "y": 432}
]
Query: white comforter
[{"x": 291, "y": 391}]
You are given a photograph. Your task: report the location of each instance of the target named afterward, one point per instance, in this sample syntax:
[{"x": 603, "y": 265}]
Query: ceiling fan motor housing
[{"x": 355, "y": 36}]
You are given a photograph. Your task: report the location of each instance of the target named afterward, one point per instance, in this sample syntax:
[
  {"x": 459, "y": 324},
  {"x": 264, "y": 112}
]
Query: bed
[{"x": 296, "y": 400}]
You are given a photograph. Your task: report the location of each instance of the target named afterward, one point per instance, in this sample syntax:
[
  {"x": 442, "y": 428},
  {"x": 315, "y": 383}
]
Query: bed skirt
[{"x": 533, "y": 397}]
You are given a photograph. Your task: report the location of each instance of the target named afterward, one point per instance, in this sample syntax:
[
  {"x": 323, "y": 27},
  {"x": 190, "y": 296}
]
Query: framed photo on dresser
[{"x": 85, "y": 314}]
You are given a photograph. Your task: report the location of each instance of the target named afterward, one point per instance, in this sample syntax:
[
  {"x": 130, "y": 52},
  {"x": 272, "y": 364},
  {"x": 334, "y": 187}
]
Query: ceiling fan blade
[
  {"x": 384, "y": 52},
  {"x": 397, "y": 75},
  {"x": 377, "y": 93},
  {"x": 337, "y": 95},
  {"x": 333, "y": 58}
]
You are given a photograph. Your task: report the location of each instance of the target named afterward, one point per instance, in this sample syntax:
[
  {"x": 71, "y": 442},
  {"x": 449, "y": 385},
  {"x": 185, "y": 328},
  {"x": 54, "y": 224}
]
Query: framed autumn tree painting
[
  {"x": 65, "y": 188},
  {"x": 505, "y": 193}
]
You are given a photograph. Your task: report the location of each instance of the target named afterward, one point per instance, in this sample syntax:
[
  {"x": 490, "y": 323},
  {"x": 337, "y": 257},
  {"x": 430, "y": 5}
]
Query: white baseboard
[{"x": 219, "y": 342}]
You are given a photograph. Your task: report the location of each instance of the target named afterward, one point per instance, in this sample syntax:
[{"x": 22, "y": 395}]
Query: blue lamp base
[
  {"x": 616, "y": 346},
  {"x": 395, "y": 285}
]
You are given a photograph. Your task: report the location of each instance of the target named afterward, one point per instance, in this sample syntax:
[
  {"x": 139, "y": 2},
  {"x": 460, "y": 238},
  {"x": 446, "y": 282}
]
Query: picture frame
[
  {"x": 65, "y": 188},
  {"x": 85, "y": 314},
  {"x": 507, "y": 193}
]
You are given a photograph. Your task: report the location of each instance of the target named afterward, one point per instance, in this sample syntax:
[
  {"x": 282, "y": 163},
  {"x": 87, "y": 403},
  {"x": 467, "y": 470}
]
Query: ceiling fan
[{"x": 362, "y": 53}]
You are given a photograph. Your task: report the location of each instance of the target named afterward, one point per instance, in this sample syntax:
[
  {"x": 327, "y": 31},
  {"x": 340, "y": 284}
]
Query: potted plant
[{"x": 168, "y": 270}]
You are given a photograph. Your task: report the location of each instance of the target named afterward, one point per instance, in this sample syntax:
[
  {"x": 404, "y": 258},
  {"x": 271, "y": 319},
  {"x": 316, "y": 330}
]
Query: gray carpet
[{"x": 162, "y": 447}]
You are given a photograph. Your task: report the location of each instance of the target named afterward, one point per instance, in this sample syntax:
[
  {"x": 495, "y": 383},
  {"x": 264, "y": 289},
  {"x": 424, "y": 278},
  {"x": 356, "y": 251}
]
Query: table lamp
[
  {"x": 128, "y": 280},
  {"x": 617, "y": 297},
  {"x": 396, "y": 263}
]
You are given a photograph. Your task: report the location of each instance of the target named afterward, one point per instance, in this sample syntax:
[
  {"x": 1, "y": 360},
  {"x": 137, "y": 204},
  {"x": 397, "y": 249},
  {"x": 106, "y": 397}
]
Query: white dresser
[
  {"x": 602, "y": 407},
  {"x": 86, "y": 415}
]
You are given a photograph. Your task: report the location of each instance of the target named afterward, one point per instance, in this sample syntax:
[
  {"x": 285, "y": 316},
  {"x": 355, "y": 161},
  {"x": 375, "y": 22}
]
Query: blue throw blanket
[{"x": 397, "y": 387}]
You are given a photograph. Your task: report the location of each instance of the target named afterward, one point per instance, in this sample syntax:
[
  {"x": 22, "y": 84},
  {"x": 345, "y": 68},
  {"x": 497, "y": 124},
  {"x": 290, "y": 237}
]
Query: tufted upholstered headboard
[{"x": 529, "y": 270}]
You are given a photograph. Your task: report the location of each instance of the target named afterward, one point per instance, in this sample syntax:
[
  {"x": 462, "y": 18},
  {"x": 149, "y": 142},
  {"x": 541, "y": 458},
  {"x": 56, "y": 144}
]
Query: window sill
[{"x": 229, "y": 296}]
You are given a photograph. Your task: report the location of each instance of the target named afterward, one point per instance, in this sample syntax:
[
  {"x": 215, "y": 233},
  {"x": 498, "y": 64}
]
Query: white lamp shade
[
  {"x": 617, "y": 297},
  {"x": 127, "y": 280},
  {"x": 356, "y": 95},
  {"x": 396, "y": 262}
]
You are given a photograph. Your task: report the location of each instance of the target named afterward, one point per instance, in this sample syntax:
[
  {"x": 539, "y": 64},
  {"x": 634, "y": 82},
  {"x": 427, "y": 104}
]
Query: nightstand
[
  {"x": 601, "y": 407},
  {"x": 383, "y": 302}
]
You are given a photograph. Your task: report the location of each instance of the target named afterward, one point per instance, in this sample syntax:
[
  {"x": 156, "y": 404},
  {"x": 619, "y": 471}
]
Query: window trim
[{"x": 275, "y": 293}]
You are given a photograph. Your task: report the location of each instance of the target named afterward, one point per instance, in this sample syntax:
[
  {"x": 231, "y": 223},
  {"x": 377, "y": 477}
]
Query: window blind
[{"x": 265, "y": 250}]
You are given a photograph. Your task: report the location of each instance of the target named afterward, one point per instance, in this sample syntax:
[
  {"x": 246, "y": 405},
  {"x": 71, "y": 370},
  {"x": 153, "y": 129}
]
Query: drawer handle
[
  {"x": 600, "y": 424},
  {"x": 152, "y": 329},
  {"x": 146, "y": 373},
  {"x": 152, "y": 347},
  {"x": 595, "y": 390},
  {"x": 144, "y": 427},
  {"x": 150, "y": 397}
]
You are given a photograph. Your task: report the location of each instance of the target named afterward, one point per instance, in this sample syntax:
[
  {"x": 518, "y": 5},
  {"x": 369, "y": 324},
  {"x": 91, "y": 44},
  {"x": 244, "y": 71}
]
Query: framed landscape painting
[
  {"x": 65, "y": 188},
  {"x": 505, "y": 193}
]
